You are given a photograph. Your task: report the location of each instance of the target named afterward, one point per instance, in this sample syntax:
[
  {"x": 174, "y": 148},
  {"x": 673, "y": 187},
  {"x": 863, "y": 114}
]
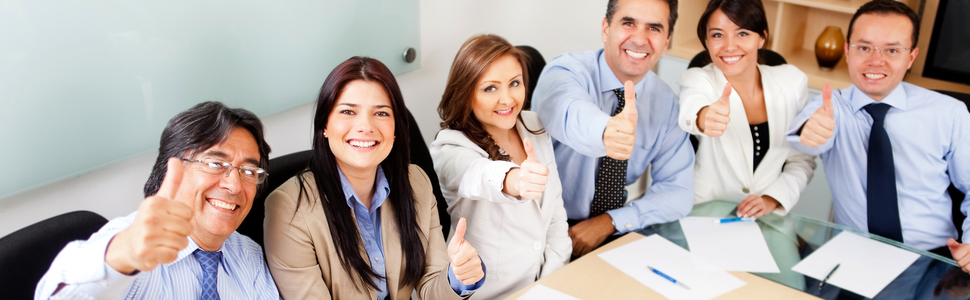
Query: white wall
[{"x": 551, "y": 26}]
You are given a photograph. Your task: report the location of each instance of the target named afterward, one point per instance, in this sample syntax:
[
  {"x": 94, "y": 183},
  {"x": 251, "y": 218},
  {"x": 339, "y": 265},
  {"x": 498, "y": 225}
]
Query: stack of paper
[
  {"x": 865, "y": 266},
  {"x": 636, "y": 257},
  {"x": 735, "y": 246},
  {"x": 541, "y": 292}
]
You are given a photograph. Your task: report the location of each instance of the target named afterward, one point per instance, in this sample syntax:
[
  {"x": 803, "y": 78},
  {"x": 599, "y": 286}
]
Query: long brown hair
[{"x": 470, "y": 64}]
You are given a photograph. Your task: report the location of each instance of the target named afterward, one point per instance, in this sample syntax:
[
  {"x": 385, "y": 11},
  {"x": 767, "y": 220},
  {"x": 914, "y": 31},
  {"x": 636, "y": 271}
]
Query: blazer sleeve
[
  {"x": 799, "y": 167},
  {"x": 434, "y": 284},
  {"x": 290, "y": 253},
  {"x": 696, "y": 86},
  {"x": 465, "y": 169}
]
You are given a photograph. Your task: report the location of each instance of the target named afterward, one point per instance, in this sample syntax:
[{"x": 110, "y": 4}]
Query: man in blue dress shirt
[
  {"x": 181, "y": 243},
  {"x": 904, "y": 154},
  {"x": 578, "y": 100}
]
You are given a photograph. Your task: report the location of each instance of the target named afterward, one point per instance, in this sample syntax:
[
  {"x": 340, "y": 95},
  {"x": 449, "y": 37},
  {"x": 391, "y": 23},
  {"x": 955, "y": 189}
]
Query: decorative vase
[{"x": 829, "y": 47}]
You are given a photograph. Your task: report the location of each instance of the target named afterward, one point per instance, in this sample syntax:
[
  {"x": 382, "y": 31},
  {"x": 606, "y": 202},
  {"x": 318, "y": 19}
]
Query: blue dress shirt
[
  {"x": 930, "y": 134},
  {"x": 369, "y": 225},
  {"x": 574, "y": 99},
  {"x": 81, "y": 267}
]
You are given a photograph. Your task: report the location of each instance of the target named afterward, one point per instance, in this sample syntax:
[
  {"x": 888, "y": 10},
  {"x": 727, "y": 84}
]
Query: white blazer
[
  {"x": 519, "y": 240},
  {"x": 724, "y": 165}
]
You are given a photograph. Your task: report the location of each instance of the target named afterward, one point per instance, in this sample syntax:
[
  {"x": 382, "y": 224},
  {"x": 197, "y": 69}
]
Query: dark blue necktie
[
  {"x": 209, "y": 260},
  {"x": 609, "y": 192},
  {"x": 883, "y": 207}
]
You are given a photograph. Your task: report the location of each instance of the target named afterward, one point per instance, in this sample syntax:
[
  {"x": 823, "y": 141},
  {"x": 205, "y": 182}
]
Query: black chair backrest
[
  {"x": 765, "y": 57},
  {"x": 285, "y": 167},
  {"x": 535, "y": 65},
  {"x": 955, "y": 194},
  {"x": 26, "y": 254}
]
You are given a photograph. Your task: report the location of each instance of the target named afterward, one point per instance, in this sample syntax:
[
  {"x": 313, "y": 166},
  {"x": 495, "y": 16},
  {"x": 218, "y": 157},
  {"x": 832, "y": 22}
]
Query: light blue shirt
[
  {"x": 369, "y": 225},
  {"x": 574, "y": 99},
  {"x": 930, "y": 135},
  {"x": 81, "y": 267}
]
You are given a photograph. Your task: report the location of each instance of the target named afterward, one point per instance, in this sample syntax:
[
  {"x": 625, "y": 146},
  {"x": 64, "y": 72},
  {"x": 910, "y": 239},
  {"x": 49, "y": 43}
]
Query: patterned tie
[
  {"x": 209, "y": 260},
  {"x": 611, "y": 177},
  {"x": 883, "y": 209}
]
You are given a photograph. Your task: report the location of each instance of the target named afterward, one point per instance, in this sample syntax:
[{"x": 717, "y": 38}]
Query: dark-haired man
[
  {"x": 181, "y": 243},
  {"x": 610, "y": 117},
  {"x": 890, "y": 148}
]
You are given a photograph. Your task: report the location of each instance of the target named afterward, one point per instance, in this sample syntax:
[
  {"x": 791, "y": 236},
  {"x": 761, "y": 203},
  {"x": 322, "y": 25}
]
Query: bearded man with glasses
[
  {"x": 181, "y": 243},
  {"x": 890, "y": 148}
]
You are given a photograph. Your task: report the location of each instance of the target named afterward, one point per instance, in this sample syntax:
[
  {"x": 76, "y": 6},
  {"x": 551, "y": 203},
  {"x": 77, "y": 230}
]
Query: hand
[
  {"x": 757, "y": 206},
  {"x": 818, "y": 129},
  {"x": 959, "y": 252},
  {"x": 465, "y": 262},
  {"x": 532, "y": 174},
  {"x": 619, "y": 134},
  {"x": 589, "y": 234},
  {"x": 159, "y": 231},
  {"x": 712, "y": 120}
]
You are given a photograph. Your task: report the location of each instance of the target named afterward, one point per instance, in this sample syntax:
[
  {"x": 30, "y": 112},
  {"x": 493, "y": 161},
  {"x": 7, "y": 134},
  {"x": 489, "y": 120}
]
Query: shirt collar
[
  {"x": 381, "y": 190},
  {"x": 192, "y": 246},
  {"x": 608, "y": 80},
  {"x": 896, "y": 98}
]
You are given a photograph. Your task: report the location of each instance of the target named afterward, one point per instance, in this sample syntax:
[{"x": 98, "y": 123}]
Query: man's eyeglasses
[
  {"x": 215, "y": 167},
  {"x": 887, "y": 52}
]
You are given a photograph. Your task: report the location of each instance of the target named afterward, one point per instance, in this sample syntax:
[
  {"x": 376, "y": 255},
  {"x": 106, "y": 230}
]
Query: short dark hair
[
  {"x": 199, "y": 128},
  {"x": 671, "y": 8},
  {"x": 747, "y": 14},
  {"x": 887, "y": 7}
]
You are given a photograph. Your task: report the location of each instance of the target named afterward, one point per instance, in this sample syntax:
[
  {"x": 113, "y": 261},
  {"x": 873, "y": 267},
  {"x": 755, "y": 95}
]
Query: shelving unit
[{"x": 794, "y": 25}]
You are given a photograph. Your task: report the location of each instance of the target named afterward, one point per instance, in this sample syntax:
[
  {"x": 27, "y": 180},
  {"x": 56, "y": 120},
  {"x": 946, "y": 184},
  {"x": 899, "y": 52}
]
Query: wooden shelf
[
  {"x": 842, "y": 6},
  {"x": 805, "y": 61}
]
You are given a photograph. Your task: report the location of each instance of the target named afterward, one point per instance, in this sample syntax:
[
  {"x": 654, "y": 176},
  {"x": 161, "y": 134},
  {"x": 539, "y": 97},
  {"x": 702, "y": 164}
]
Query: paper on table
[
  {"x": 541, "y": 292},
  {"x": 736, "y": 246},
  {"x": 866, "y": 266},
  {"x": 657, "y": 252}
]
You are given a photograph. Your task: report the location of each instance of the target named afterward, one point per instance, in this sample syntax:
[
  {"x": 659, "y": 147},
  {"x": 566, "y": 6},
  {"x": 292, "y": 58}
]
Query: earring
[{"x": 324, "y": 134}]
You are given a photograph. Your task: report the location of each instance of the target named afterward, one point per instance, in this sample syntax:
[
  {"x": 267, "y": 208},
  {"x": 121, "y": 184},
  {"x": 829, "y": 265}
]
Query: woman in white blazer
[
  {"x": 740, "y": 111},
  {"x": 497, "y": 169}
]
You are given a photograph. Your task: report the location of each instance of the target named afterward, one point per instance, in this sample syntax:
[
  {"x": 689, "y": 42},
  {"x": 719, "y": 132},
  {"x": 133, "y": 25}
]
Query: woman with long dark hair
[
  {"x": 497, "y": 168},
  {"x": 361, "y": 222}
]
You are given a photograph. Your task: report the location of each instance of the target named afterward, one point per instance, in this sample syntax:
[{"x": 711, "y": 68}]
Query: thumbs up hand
[
  {"x": 532, "y": 175},
  {"x": 712, "y": 120},
  {"x": 819, "y": 127},
  {"x": 465, "y": 262},
  {"x": 159, "y": 231},
  {"x": 619, "y": 135}
]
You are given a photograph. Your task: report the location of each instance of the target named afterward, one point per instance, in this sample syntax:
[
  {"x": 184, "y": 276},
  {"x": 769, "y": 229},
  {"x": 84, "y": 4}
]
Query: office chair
[
  {"x": 535, "y": 65},
  {"x": 285, "y": 167},
  {"x": 27, "y": 254},
  {"x": 765, "y": 57},
  {"x": 955, "y": 194}
]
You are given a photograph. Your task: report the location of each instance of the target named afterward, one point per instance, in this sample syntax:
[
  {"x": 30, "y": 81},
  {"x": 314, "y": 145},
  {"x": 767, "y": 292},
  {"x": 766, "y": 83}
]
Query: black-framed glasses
[
  {"x": 887, "y": 52},
  {"x": 249, "y": 174}
]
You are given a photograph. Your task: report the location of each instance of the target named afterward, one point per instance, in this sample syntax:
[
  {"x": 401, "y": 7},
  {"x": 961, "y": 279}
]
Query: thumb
[
  {"x": 173, "y": 178},
  {"x": 726, "y": 96},
  {"x": 630, "y": 107},
  {"x": 529, "y": 150},
  {"x": 953, "y": 245},
  {"x": 459, "y": 237},
  {"x": 827, "y": 98}
]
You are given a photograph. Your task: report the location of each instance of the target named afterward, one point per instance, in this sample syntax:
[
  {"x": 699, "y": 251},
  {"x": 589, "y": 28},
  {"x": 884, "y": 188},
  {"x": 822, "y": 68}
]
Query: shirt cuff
[
  {"x": 624, "y": 219},
  {"x": 495, "y": 173},
  {"x": 460, "y": 288}
]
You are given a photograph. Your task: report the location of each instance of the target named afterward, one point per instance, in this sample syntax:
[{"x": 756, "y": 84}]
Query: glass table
[{"x": 793, "y": 237}]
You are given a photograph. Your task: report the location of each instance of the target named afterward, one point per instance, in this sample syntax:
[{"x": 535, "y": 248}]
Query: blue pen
[
  {"x": 665, "y": 276},
  {"x": 730, "y": 220}
]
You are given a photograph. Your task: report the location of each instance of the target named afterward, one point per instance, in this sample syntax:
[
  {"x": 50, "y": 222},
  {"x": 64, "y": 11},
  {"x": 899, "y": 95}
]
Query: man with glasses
[
  {"x": 181, "y": 243},
  {"x": 890, "y": 148}
]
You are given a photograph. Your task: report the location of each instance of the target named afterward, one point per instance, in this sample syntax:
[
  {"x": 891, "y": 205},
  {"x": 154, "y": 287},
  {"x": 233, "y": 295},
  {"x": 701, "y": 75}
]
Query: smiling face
[
  {"x": 734, "y": 50},
  {"x": 636, "y": 37},
  {"x": 360, "y": 128},
  {"x": 499, "y": 95},
  {"x": 219, "y": 202},
  {"x": 877, "y": 75}
]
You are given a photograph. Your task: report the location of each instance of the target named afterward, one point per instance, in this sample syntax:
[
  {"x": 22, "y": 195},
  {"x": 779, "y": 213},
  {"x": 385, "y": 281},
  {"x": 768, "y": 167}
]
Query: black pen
[{"x": 821, "y": 284}]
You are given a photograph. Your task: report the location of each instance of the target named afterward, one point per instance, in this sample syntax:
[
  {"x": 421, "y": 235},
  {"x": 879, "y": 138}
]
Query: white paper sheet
[
  {"x": 865, "y": 266},
  {"x": 736, "y": 246},
  {"x": 661, "y": 254},
  {"x": 541, "y": 292}
]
